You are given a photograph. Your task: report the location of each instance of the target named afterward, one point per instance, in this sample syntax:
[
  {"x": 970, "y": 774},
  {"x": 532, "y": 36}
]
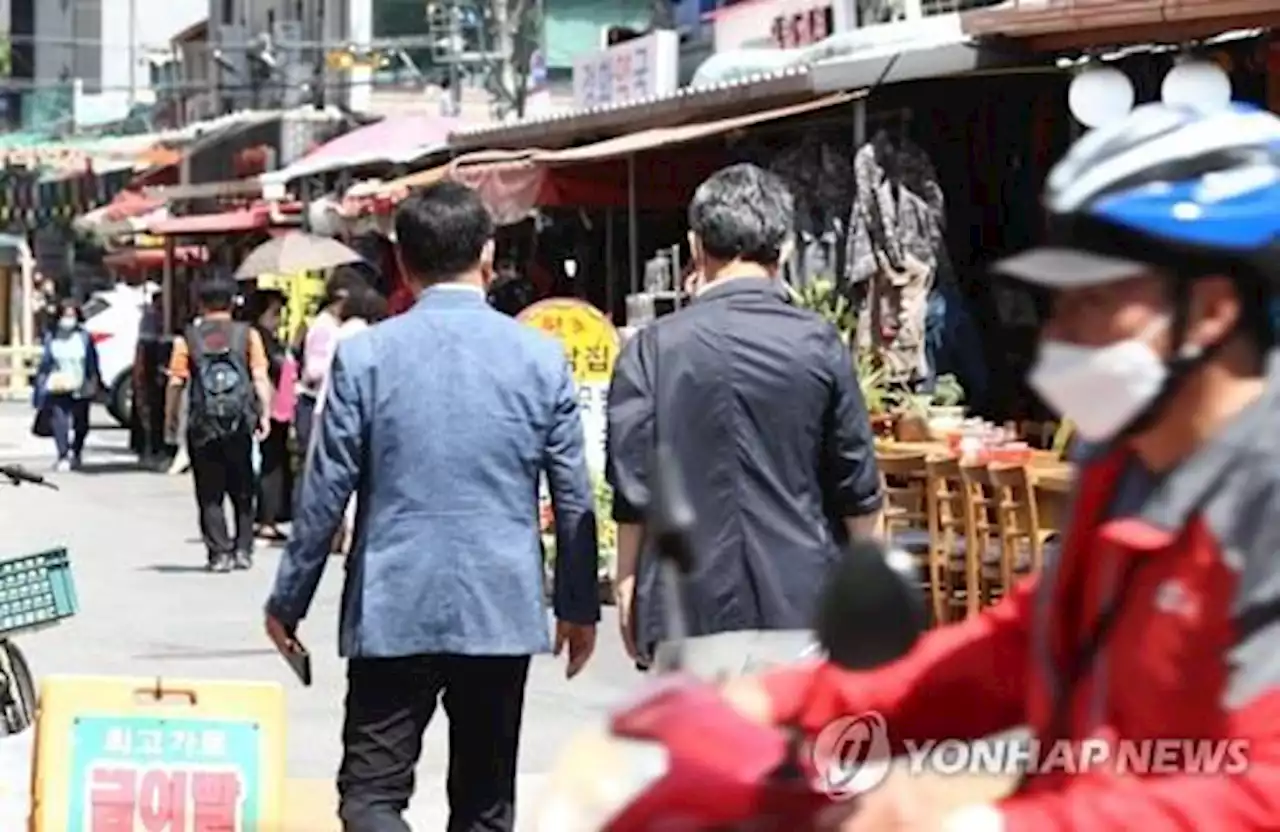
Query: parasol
[{"x": 295, "y": 252}]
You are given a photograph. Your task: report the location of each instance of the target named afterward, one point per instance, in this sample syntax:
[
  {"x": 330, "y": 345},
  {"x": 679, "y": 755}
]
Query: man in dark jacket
[{"x": 760, "y": 403}]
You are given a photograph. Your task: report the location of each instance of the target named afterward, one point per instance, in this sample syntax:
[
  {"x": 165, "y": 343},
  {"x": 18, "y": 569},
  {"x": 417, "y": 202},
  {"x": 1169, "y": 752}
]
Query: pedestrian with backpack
[{"x": 223, "y": 363}]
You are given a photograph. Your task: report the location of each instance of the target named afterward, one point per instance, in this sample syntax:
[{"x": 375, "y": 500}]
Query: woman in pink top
[{"x": 318, "y": 345}]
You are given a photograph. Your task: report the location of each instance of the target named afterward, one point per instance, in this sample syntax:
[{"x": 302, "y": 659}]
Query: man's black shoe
[
  {"x": 220, "y": 563},
  {"x": 243, "y": 560}
]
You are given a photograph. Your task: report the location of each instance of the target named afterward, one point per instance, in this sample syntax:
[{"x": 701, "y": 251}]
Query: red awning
[
  {"x": 597, "y": 175},
  {"x": 153, "y": 258},
  {"x": 227, "y": 222}
]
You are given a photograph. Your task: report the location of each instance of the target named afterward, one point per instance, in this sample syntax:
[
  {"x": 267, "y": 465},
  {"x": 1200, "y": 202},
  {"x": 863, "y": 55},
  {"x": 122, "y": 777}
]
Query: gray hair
[{"x": 743, "y": 212}]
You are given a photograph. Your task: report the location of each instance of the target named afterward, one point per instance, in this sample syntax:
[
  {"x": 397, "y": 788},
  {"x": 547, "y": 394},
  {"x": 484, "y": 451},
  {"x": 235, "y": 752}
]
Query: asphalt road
[{"x": 149, "y": 609}]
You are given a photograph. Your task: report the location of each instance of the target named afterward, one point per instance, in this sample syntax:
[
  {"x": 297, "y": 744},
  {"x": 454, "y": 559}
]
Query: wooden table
[
  {"x": 1054, "y": 478},
  {"x": 1053, "y": 494}
]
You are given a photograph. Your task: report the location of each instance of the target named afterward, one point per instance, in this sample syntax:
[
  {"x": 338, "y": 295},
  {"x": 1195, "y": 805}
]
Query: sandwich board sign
[{"x": 137, "y": 755}]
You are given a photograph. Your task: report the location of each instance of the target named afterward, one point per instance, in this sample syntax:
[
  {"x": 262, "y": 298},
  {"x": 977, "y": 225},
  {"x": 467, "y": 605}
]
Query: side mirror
[{"x": 871, "y": 611}]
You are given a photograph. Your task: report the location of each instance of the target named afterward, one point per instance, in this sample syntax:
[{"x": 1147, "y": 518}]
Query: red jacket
[{"x": 1194, "y": 653}]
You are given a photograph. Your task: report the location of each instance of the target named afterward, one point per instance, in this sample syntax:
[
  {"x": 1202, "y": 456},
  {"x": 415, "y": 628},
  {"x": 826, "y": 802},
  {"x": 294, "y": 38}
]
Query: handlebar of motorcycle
[{"x": 18, "y": 475}]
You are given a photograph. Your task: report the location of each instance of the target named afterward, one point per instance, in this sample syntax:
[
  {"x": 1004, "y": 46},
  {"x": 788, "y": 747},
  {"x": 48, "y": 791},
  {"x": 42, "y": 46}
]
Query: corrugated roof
[
  {"x": 790, "y": 81},
  {"x": 658, "y": 137}
]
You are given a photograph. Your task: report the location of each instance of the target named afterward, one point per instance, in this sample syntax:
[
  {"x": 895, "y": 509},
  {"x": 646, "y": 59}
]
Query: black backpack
[{"x": 223, "y": 402}]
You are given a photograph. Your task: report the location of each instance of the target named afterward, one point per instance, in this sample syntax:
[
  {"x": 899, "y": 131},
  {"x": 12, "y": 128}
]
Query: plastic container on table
[
  {"x": 36, "y": 591},
  {"x": 1011, "y": 453}
]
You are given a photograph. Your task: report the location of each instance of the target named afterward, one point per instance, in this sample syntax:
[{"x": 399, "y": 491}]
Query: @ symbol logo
[{"x": 851, "y": 755}]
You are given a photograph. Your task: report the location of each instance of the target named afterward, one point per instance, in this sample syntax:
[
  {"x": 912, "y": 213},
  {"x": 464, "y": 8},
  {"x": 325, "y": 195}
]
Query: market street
[{"x": 148, "y": 608}]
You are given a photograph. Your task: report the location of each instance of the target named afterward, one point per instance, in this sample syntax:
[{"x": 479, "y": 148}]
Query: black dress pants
[
  {"x": 389, "y": 704},
  {"x": 224, "y": 468},
  {"x": 275, "y": 480}
]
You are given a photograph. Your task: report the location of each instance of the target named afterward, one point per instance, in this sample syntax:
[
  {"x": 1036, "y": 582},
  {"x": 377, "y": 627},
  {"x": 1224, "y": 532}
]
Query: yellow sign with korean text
[
  {"x": 589, "y": 339},
  {"x": 592, "y": 345},
  {"x": 142, "y": 753}
]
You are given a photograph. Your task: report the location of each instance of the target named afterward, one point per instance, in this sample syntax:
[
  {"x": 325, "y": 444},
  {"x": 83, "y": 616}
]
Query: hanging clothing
[{"x": 893, "y": 241}]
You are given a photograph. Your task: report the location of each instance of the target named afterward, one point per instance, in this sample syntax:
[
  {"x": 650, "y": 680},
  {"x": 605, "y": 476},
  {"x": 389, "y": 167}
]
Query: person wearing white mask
[
  {"x": 67, "y": 380},
  {"x": 1158, "y": 617}
]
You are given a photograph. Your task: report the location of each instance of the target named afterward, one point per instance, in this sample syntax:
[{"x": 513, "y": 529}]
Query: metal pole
[
  {"x": 633, "y": 225},
  {"x": 321, "y": 79},
  {"x": 133, "y": 53},
  {"x": 455, "y": 73},
  {"x": 167, "y": 286},
  {"x": 609, "y": 272}
]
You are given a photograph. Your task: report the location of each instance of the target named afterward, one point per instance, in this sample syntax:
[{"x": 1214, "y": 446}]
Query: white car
[{"x": 112, "y": 317}]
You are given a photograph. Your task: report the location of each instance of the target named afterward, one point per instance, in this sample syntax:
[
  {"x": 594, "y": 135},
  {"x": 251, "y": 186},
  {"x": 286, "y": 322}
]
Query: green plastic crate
[{"x": 35, "y": 591}]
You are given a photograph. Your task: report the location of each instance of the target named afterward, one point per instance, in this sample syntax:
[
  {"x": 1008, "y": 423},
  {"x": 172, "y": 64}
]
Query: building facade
[
  {"x": 67, "y": 56},
  {"x": 272, "y": 53}
]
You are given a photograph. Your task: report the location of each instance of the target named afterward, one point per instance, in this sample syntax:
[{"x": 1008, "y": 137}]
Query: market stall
[{"x": 193, "y": 246}]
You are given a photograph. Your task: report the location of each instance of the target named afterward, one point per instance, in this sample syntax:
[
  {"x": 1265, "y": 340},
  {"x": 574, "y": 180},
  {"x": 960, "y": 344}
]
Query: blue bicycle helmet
[{"x": 1190, "y": 192}]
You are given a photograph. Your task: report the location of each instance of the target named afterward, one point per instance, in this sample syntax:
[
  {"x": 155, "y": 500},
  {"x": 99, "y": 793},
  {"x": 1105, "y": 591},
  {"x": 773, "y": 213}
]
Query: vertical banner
[
  {"x": 592, "y": 345},
  {"x": 145, "y": 755}
]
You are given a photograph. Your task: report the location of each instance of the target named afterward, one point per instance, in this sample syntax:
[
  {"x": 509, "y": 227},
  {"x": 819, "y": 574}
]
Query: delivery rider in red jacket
[{"x": 1160, "y": 618}]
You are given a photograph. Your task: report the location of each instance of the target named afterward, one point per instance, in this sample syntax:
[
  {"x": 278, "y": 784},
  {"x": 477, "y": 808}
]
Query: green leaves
[{"x": 820, "y": 295}]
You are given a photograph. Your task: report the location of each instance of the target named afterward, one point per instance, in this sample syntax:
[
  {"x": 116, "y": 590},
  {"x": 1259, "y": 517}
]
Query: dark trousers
[
  {"x": 69, "y": 418},
  {"x": 275, "y": 480},
  {"x": 224, "y": 468},
  {"x": 303, "y": 413},
  {"x": 389, "y": 704}
]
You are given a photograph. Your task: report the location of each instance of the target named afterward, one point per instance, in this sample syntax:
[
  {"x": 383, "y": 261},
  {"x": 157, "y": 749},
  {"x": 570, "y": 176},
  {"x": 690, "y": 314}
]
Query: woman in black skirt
[{"x": 275, "y": 476}]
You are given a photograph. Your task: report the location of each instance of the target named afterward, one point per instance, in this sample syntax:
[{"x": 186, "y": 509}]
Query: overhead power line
[
  {"x": 25, "y": 86},
  {"x": 252, "y": 42}
]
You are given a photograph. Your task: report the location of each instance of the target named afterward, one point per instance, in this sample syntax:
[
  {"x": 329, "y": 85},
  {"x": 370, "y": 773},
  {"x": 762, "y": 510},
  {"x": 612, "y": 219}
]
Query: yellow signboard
[
  {"x": 302, "y": 293},
  {"x": 588, "y": 337},
  {"x": 119, "y": 753}
]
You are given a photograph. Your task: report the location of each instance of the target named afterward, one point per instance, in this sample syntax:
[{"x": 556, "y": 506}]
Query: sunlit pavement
[{"x": 148, "y": 608}]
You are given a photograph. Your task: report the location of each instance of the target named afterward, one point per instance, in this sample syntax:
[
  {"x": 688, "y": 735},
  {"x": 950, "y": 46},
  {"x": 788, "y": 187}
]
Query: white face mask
[{"x": 1100, "y": 389}]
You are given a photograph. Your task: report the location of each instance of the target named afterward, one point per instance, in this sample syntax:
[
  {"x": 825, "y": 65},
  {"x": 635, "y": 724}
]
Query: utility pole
[
  {"x": 321, "y": 77},
  {"x": 455, "y": 68},
  {"x": 444, "y": 24},
  {"x": 133, "y": 53}
]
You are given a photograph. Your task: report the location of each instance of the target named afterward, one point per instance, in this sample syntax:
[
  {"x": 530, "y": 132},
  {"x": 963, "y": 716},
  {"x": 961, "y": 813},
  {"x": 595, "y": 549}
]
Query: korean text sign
[
  {"x": 591, "y": 344},
  {"x": 628, "y": 71},
  {"x": 146, "y": 774}
]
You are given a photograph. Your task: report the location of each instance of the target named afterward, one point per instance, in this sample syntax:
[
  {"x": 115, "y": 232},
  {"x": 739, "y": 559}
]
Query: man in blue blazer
[{"x": 441, "y": 420}]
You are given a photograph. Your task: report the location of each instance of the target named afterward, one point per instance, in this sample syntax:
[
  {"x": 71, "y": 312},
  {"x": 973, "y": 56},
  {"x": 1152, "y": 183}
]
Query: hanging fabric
[{"x": 895, "y": 233}]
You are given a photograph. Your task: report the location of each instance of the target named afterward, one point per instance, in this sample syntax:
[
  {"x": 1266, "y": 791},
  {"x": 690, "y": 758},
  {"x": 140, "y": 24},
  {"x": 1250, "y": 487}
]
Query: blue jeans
[{"x": 70, "y": 422}]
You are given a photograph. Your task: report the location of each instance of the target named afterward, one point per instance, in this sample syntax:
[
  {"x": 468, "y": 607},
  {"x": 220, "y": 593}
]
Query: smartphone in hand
[{"x": 299, "y": 659}]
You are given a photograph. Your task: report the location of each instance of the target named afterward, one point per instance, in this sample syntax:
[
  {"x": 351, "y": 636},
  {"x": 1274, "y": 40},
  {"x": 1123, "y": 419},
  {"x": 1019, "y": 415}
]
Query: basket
[{"x": 36, "y": 591}]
